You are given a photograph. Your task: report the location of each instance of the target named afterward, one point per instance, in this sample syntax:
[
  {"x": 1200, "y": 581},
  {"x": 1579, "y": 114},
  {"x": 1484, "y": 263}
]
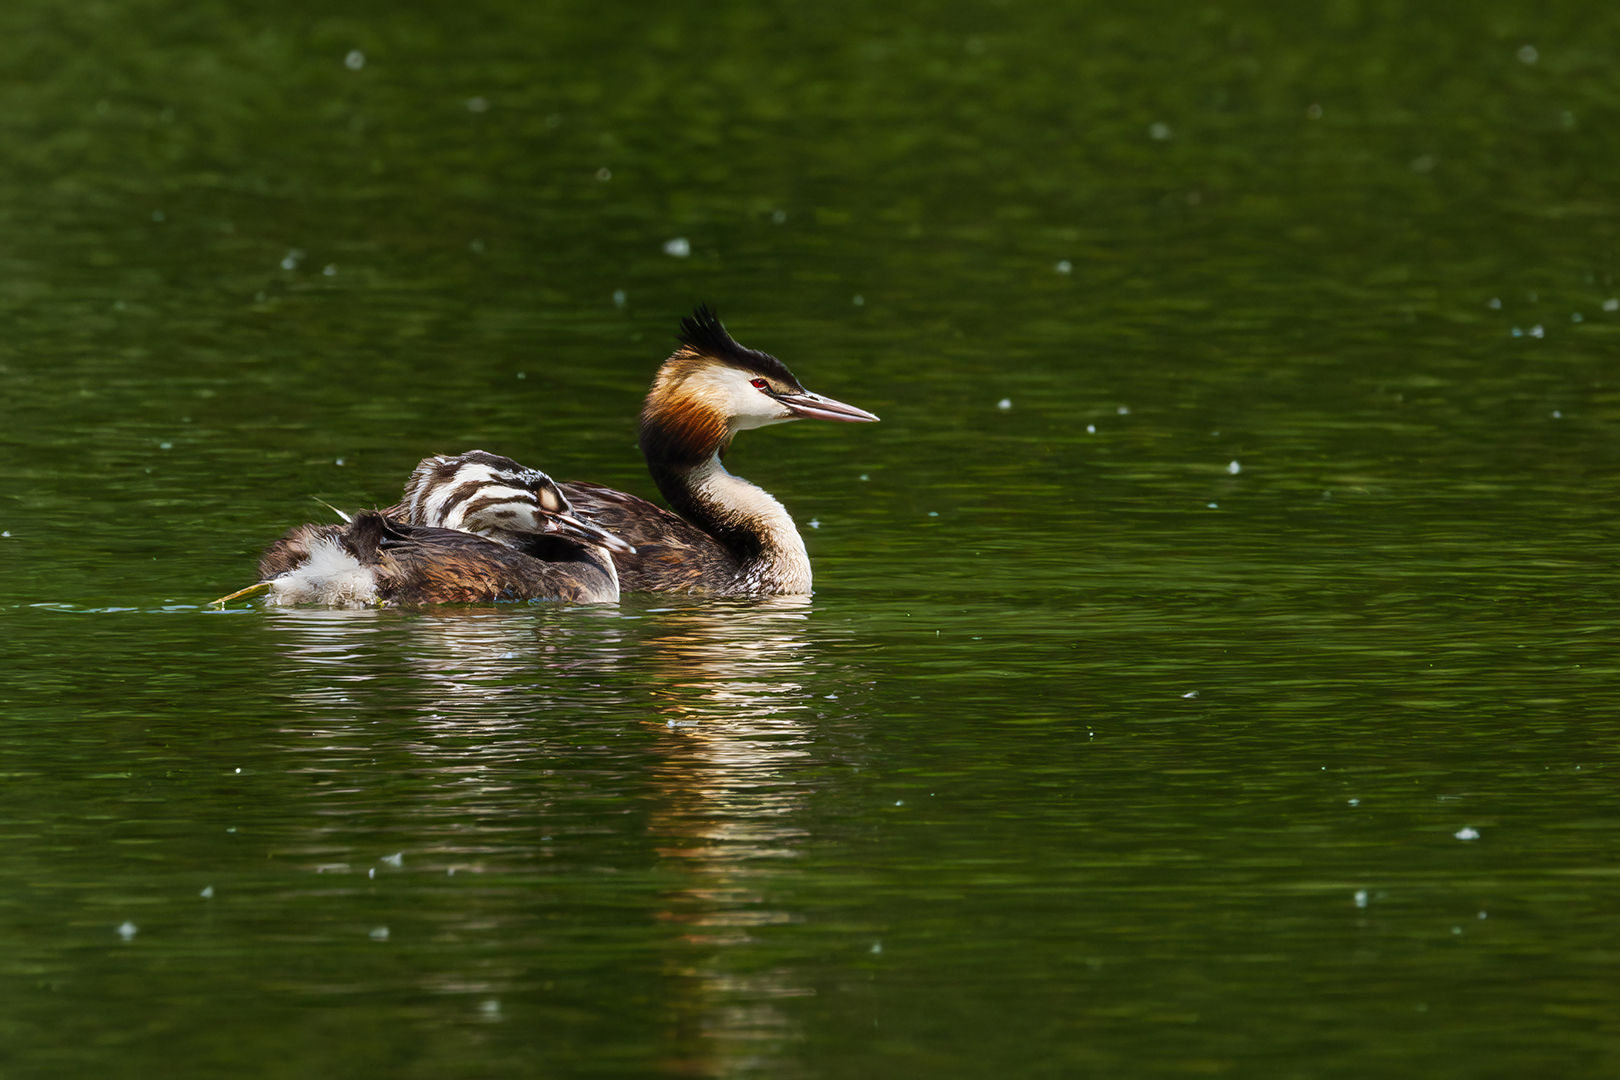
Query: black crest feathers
[{"x": 704, "y": 334}]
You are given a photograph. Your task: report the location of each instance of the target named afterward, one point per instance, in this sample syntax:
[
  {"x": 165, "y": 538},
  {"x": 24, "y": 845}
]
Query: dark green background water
[{"x": 1095, "y": 754}]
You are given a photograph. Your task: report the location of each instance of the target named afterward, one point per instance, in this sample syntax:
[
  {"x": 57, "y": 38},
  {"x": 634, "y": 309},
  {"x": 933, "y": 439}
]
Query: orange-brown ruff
[{"x": 478, "y": 527}]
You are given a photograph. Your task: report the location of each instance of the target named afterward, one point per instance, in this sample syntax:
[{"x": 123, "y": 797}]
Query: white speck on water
[
  {"x": 933, "y": 513},
  {"x": 490, "y": 1008},
  {"x": 378, "y": 933},
  {"x": 1494, "y": 303},
  {"x": 830, "y": 697},
  {"x": 291, "y": 260},
  {"x": 1313, "y": 112},
  {"x": 477, "y": 104},
  {"x": 239, "y": 771},
  {"x": 1063, "y": 266},
  {"x": 1233, "y": 467},
  {"x": 1190, "y": 694},
  {"x": 1528, "y": 54},
  {"x": 231, "y": 829},
  {"x": 339, "y": 461},
  {"x": 450, "y": 872},
  {"x": 1456, "y": 929},
  {"x": 127, "y": 930},
  {"x": 1536, "y": 331},
  {"x": 1091, "y": 429},
  {"x": 1213, "y": 506},
  {"x": 619, "y": 298},
  {"x": 1159, "y": 131},
  {"x": 330, "y": 270},
  {"x": 1355, "y": 802},
  {"x": 397, "y": 859},
  {"x": 523, "y": 374},
  {"x": 6, "y": 533},
  {"x": 1517, "y": 332},
  {"x": 372, "y": 873},
  {"x": 355, "y": 60},
  {"x": 1482, "y": 914},
  {"x": 865, "y": 477},
  {"x": 207, "y": 893},
  {"x": 1558, "y": 414},
  {"x": 679, "y": 247},
  {"x": 1004, "y": 403},
  {"x": 604, "y": 174},
  {"x": 1466, "y": 833},
  {"x": 165, "y": 446},
  {"x": 1361, "y": 898},
  {"x": 1612, "y": 304},
  {"x": 1577, "y": 317},
  {"x": 877, "y": 948},
  {"x": 1123, "y": 410},
  {"x": 157, "y": 216},
  {"x": 779, "y": 216},
  {"x": 899, "y": 802},
  {"x": 814, "y": 524},
  {"x": 860, "y": 301}
]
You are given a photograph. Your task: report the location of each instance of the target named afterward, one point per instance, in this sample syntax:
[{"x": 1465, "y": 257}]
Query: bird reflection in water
[
  {"x": 737, "y": 704},
  {"x": 493, "y": 666},
  {"x": 733, "y": 689},
  {"x": 476, "y": 705}
]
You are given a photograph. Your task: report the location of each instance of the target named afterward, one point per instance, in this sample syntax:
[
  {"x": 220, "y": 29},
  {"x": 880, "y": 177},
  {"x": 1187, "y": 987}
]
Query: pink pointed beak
[{"x": 815, "y": 407}]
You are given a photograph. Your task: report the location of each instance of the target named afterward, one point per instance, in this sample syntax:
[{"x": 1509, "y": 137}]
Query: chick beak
[
  {"x": 587, "y": 532},
  {"x": 815, "y": 407}
]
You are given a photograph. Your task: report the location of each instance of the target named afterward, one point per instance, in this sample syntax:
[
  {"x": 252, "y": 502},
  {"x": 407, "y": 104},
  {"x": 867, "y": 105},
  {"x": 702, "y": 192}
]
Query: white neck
[{"x": 783, "y": 566}]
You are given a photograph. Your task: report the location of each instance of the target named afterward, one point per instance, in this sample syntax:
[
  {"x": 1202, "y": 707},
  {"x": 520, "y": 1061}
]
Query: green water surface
[{"x": 1211, "y": 670}]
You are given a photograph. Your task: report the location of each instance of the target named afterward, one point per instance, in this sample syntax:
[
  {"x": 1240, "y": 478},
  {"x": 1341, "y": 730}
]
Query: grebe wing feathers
[
  {"x": 672, "y": 554},
  {"x": 415, "y": 564},
  {"x": 423, "y": 565}
]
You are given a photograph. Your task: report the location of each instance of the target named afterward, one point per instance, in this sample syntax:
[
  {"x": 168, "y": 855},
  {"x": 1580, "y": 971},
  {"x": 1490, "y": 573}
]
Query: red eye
[{"x": 759, "y": 384}]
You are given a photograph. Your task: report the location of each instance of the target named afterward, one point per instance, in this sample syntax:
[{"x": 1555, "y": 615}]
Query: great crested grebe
[{"x": 477, "y": 527}]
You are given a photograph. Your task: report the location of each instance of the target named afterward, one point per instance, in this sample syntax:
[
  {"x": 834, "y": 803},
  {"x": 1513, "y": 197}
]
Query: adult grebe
[{"x": 477, "y": 527}]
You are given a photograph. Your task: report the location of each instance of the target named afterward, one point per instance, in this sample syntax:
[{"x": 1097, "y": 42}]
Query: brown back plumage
[{"x": 414, "y": 564}]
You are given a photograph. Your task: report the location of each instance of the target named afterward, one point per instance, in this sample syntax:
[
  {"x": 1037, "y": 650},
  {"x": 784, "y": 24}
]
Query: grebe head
[{"x": 713, "y": 388}]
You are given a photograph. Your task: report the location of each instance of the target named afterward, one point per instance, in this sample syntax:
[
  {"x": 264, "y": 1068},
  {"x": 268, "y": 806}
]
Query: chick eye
[{"x": 759, "y": 384}]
